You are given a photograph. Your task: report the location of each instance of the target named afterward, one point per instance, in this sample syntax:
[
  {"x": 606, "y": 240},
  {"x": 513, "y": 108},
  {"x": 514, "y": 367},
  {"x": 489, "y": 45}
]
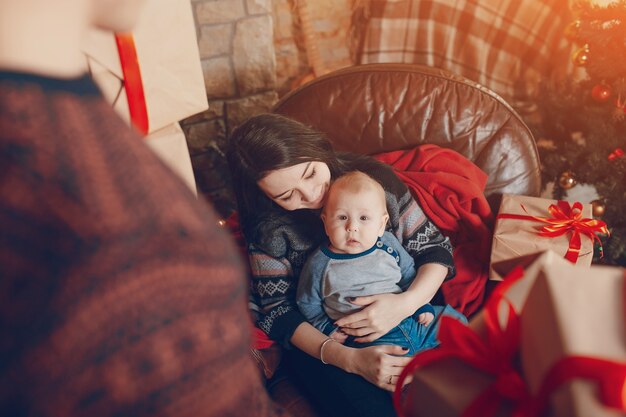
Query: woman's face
[{"x": 302, "y": 186}]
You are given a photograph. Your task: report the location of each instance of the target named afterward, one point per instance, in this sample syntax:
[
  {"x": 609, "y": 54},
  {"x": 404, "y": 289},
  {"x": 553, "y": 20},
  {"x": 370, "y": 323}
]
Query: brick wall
[{"x": 252, "y": 52}]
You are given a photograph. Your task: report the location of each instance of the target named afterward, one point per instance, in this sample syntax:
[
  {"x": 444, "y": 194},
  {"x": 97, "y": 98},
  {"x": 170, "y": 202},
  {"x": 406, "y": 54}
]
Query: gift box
[
  {"x": 446, "y": 388},
  {"x": 574, "y": 315},
  {"x": 170, "y": 145},
  {"x": 525, "y": 225},
  {"x": 475, "y": 362},
  {"x": 481, "y": 372},
  {"x": 155, "y": 69}
]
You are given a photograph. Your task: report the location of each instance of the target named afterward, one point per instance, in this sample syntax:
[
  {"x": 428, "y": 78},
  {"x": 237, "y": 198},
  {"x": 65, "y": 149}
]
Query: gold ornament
[
  {"x": 581, "y": 56},
  {"x": 567, "y": 180},
  {"x": 598, "y": 207}
]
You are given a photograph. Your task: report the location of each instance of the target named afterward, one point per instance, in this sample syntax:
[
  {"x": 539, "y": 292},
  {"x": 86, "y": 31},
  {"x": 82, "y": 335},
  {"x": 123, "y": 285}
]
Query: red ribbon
[
  {"x": 610, "y": 377},
  {"x": 132, "y": 81},
  {"x": 494, "y": 354},
  {"x": 566, "y": 218}
]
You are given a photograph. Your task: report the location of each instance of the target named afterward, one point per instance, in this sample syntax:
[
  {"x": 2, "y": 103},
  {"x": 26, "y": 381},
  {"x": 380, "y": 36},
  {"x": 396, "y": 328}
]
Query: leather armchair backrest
[{"x": 383, "y": 107}]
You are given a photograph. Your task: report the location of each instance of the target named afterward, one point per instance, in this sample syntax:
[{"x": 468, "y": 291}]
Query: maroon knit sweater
[{"x": 119, "y": 294}]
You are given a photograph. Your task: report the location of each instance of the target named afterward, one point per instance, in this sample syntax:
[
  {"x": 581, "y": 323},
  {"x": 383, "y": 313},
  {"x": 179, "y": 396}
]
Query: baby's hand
[
  {"x": 338, "y": 336},
  {"x": 425, "y": 318}
]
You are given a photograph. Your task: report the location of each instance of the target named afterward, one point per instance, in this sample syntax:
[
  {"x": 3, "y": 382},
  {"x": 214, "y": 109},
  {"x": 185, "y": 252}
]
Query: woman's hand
[
  {"x": 379, "y": 366},
  {"x": 380, "y": 314}
]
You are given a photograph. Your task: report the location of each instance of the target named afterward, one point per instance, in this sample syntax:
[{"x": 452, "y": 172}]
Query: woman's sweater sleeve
[
  {"x": 420, "y": 236},
  {"x": 273, "y": 295}
]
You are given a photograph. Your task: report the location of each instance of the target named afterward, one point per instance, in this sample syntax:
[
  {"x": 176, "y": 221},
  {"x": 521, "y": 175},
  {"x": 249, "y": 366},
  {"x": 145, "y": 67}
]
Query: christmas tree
[{"x": 583, "y": 121}]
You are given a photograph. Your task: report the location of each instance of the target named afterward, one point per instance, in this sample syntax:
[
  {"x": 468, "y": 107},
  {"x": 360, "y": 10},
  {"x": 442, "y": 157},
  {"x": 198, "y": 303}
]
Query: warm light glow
[{"x": 602, "y": 2}]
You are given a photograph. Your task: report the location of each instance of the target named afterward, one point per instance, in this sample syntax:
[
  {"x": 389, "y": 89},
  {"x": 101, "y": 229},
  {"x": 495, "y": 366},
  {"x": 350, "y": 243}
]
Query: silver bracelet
[{"x": 322, "y": 349}]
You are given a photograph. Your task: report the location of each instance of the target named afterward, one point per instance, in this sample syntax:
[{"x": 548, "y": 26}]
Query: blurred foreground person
[{"x": 120, "y": 295}]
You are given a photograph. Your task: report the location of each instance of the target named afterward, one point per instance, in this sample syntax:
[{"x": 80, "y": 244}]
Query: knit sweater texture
[{"x": 120, "y": 294}]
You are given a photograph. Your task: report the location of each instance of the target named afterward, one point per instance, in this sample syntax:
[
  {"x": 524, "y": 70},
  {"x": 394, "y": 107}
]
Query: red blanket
[{"x": 449, "y": 188}]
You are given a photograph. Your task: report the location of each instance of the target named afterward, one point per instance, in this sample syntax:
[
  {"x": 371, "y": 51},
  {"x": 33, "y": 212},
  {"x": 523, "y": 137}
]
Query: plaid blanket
[{"x": 505, "y": 45}]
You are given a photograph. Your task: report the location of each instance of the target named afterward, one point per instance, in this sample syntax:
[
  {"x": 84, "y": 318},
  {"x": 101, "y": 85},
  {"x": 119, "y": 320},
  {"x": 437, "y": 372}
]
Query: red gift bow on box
[
  {"x": 495, "y": 355},
  {"x": 132, "y": 81},
  {"x": 566, "y": 218}
]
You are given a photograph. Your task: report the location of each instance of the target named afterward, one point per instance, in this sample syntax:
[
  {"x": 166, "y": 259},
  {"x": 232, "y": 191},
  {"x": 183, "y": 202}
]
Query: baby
[{"x": 361, "y": 259}]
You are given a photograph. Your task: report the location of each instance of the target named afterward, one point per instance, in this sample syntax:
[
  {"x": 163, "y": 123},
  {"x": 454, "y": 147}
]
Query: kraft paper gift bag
[
  {"x": 168, "y": 59},
  {"x": 515, "y": 237},
  {"x": 170, "y": 145},
  {"x": 574, "y": 311}
]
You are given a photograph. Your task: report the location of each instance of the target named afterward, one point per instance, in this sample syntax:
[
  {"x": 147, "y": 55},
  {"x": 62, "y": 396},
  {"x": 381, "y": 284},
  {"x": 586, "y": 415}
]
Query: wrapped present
[
  {"x": 170, "y": 145},
  {"x": 153, "y": 75},
  {"x": 447, "y": 388},
  {"x": 528, "y": 224},
  {"x": 473, "y": 373},
  {"x": 478, "y": 371},
  {"x": 573, "y": 340}
]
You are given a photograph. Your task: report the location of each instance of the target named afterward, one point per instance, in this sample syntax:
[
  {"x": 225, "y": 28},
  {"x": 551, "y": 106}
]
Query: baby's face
[{"x": 354, "y": 221}]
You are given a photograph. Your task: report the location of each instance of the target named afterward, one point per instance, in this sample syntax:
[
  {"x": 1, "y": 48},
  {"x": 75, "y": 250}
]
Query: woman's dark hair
[{"x": 265, "y": 143}]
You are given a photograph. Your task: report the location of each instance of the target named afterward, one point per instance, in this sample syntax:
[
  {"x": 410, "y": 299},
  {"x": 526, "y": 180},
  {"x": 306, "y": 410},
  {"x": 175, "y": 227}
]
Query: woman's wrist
[{"x": 338, "y": 355}]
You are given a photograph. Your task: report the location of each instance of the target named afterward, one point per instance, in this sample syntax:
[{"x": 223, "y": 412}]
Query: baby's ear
[{"x": 383, "y": 224}]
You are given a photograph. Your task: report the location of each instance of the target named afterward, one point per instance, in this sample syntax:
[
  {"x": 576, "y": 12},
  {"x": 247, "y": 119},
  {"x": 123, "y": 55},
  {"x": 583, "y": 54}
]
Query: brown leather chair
[{"x": 383, "y": 107}]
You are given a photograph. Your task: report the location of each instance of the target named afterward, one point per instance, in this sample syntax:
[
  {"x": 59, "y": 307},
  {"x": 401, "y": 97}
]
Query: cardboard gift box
[
  {"x": 170, "y": 145},
  {"x": 517, "y": 233},
  {"x": 470, "y": 361},
  {"x": 167, "y": 59},
  {"x": 448, "y": 386},
  {"x": 573, "y": 311}
]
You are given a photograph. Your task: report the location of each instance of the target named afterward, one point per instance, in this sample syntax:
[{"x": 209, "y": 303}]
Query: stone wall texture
[{"x": 252, "y": 52}]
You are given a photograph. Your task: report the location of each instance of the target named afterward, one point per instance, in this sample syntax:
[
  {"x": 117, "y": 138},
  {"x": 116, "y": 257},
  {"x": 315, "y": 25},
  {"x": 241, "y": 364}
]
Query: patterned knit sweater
[
  {"x": 277, "y": 260},
  {"x": 120, "y": 296}
]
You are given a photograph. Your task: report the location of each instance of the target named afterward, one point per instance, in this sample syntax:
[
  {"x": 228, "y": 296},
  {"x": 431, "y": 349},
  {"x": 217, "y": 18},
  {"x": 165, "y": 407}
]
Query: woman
[{"x": 281, "y": 171}]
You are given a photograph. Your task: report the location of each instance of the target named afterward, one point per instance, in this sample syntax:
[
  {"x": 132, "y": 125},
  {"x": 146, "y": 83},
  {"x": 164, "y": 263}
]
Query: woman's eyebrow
[{"x": 306, "y": 168}]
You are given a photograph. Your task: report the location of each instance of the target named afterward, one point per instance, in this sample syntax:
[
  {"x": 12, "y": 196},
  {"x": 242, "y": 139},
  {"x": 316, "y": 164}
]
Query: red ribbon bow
[
  {"x": 493, "y": 354},
  {"x": 565, "y": 219}
]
